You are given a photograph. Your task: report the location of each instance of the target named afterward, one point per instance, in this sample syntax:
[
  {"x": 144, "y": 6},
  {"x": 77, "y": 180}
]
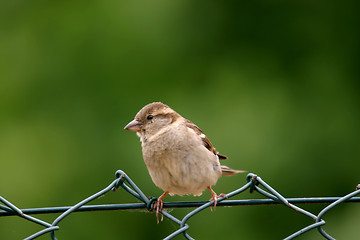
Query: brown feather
[
  {"x": 204, "y": 139},
  {"x": 226, "y": 171}
]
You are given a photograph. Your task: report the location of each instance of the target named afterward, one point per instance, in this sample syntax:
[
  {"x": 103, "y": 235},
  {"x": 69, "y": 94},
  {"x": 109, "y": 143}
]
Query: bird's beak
[{"x": 134, "y": 126}]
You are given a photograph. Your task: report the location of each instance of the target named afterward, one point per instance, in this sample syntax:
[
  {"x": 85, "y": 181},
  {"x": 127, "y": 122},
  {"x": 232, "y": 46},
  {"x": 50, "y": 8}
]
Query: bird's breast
[{"x": 180, "y": 164}]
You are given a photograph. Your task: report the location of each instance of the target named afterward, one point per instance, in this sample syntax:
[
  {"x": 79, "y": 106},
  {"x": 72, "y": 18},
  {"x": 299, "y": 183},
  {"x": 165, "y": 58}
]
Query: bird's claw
[
  {"x": 159, "y": 206},
  {"x": 215, "y": 197}
]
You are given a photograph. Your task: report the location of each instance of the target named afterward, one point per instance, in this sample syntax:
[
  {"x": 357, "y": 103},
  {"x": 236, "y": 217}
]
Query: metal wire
[{"x": 254, "y": 184}]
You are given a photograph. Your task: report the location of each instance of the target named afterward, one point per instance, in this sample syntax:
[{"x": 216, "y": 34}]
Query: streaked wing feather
[{"x": 204, "y": 139}]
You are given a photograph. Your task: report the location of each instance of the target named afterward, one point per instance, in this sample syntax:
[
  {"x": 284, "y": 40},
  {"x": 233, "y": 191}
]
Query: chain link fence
[{"x": 254, "y": 184}]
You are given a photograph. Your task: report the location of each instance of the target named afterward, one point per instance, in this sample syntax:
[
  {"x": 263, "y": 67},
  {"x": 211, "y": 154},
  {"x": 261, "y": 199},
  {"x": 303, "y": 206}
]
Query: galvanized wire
[{"x": 254, "y": 184}]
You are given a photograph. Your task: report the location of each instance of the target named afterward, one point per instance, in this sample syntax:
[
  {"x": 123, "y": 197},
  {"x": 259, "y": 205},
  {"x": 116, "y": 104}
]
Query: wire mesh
[{"x": 254, "y": 184}]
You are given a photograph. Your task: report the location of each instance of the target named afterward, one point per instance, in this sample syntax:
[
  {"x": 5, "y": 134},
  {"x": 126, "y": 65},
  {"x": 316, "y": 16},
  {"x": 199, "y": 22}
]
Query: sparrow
[{"x": 179, "y": 157}]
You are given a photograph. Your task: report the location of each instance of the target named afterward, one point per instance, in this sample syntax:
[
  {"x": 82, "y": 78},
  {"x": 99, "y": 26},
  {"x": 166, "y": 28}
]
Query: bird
[{"x": 179, "y": 157}]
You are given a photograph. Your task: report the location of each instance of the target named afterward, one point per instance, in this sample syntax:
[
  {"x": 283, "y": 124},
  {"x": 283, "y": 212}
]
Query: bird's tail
[{"x": 226, "y": 171}]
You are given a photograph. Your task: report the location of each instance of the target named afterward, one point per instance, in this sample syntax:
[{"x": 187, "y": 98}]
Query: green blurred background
[{"x": 273, "y": 84}]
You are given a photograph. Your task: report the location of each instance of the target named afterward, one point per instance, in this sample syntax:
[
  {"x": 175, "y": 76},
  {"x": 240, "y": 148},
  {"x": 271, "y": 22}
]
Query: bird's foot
[
  {"x": 214, "y": 197},
  {"x": 159, "y": 206}
]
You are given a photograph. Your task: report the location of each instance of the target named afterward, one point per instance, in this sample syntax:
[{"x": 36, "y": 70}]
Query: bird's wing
[{"x": 205, "y": 139}]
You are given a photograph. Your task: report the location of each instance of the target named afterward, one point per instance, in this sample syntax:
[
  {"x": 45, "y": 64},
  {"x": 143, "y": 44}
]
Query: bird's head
[{"x": 152, "y": 118}]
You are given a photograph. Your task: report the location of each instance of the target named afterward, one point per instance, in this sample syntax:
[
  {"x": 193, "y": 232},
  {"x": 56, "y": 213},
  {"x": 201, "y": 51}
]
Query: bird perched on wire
[{"x": 179, "y": 157}]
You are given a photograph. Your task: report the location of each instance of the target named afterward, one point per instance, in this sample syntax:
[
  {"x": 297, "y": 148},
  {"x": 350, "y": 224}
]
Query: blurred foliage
[{"x": 274, "y": 85}]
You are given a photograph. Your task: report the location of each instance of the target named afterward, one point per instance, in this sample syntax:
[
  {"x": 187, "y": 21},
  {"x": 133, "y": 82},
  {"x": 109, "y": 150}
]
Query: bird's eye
[{"x": 149, "y": 117}]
